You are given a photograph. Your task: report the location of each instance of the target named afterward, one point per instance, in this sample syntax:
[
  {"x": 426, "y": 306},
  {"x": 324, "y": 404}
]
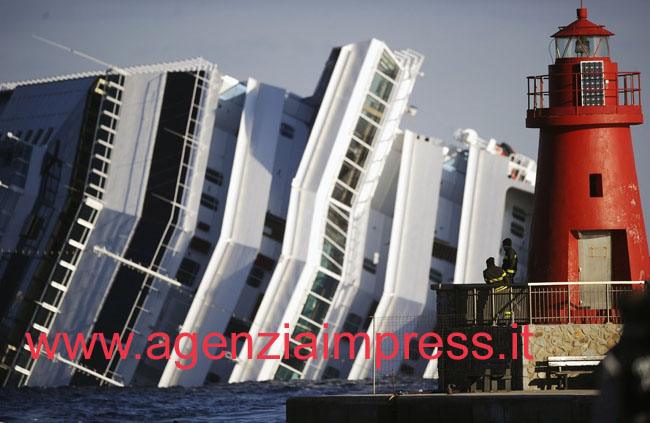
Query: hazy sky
[{"x": 478, "y": 52}]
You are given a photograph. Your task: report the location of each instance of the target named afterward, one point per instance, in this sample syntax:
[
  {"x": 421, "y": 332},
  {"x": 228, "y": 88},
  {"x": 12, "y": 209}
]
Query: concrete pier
[{"x": 508, "y": 407}]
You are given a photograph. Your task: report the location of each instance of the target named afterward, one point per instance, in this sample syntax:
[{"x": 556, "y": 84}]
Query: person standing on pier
[{"x": 509, "y": 261}]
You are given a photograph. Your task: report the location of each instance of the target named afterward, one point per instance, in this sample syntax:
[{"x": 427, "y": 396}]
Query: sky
[{"x": 477, "y": 52}]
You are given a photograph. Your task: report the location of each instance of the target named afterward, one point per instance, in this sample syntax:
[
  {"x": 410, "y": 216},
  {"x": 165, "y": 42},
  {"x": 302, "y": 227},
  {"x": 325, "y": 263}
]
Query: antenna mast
[{"x": 81, "y": 54}]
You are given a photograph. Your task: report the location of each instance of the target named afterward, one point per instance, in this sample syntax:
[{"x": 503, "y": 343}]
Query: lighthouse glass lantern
[{"x": 582, "y": 46}]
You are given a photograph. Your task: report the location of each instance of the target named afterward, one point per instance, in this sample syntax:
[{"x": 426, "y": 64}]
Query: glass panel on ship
[
  {"x": 327, "y": 278},
  {"x": 373, "y": 109},
  {"x": 365, "y": 130},
  {"x": 338, "y": 217},
  {"x": 335, "y": 235},
  {"x": 324, "y": 285},
  {"x": 304, "y": 326},
  {"x": 293, "y": 361},
  {"x": 342, "y": 194},
  {"x": 357, "y": 152},
  {"x": 349, "y": 175}
]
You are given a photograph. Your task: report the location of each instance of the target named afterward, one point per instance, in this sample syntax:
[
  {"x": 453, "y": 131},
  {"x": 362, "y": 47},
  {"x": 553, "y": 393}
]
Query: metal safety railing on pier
[
  {"x": 474, "y": 308},
  {"x": 533, "y": 303}
]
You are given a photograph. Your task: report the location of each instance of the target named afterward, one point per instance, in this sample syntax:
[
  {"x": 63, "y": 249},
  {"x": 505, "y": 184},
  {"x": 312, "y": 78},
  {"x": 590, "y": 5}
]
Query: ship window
[
  {"x": 200, "y": 245},
  {"x": 187, "y": 272},
  {"x": 237, "y": 326},
  {"x": 214, "y": 176},
  {"x": 435, "y": 276},
  {"x": 595, "y": 185},
  {"x": 369, "y": 266},
  {"x": 338, "y": 217},
  {"x": 349, "y": 175},
  {"x": 209, "y": 202},
  {"x": 283, "y": 373},
  {"x": 203, "y": 226},
  {"x": 387, "y": 65},
  {"x": 324, "y": 285},
  {"x": 381, "y": 87},
  {"x": 357, "y": 153},
  {"x": 516, "y": 229},
  {"x": 303, "y": 326},
  {"x": 519, "y": 213},
  {"x": 315, "y": 309},
  {"x": 342, "y": 194},
  {"x": 444, "y": 251},
  {"x": 365, "y": 131},
  {"x": 373, "y": 109},
  {"x": 333, "y": 252},
  {"x": 352, "y": 323},
  {"x": 266, "y": 263},
  {"x": 255, "y": 277},
  {"x": 274, "y": 227},
  {"x": 335, "y": 235},
  {"x": 293, "y": 361},
  {"x": 329, "y": 265},
  {"x": 287, "y": 130}
]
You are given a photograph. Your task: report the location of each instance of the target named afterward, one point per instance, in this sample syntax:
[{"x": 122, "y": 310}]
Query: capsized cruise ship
[{"x": 173, "y": 198}]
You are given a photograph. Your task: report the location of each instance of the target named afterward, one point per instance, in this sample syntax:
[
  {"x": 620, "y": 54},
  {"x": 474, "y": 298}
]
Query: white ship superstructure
[
  {"x": 172, "y": 198},
  {"x": 109, "y": 255},
  {"x": 271, "y": 139},
  {"x": 322, "y": 258},
  {"x": 503, "y": 193}
]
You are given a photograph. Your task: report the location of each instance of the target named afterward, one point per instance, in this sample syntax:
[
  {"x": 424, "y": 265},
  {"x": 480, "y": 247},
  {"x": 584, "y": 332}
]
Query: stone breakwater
[{"x": 565, "y": 340}]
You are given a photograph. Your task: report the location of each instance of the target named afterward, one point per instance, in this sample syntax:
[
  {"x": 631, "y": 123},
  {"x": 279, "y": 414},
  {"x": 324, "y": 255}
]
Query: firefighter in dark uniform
[
  {"x": 495, "y": 277},
  {"x": 509, "y": 260},
  {"x": 493, "y": 274}
]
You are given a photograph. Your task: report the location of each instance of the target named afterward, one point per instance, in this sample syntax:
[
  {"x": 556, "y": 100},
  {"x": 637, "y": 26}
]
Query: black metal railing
[{"x": 538, "y": 303}]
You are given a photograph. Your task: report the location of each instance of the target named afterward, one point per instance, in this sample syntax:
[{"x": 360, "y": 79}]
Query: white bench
[{"x": 572, "y": 365}]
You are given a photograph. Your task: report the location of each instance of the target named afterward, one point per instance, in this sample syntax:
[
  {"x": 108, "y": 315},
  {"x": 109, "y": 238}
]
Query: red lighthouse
[{"x": 587, "y": 220}]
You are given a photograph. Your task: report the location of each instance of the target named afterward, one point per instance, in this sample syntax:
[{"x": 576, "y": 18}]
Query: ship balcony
[{"x": 584, "y": 98}]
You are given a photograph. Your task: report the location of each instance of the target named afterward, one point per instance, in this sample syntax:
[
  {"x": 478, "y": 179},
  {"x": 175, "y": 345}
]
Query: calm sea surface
[{"x": 241, "y": 402}]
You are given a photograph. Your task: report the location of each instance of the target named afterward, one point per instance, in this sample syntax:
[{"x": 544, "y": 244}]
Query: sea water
[{"x": 239, "y": 402}]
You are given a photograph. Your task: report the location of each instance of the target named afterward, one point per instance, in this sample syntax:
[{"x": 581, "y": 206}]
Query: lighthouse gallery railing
[{"x": 628, "y": 91}]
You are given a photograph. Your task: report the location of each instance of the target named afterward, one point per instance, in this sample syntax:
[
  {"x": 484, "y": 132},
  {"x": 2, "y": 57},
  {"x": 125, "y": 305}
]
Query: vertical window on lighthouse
[{"x": 595, "y": 185}]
